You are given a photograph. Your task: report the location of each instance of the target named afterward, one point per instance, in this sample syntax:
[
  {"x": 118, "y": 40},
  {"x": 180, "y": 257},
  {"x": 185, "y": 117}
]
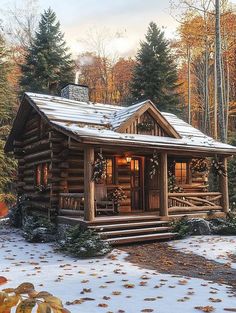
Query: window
[
  {"x": 41, "y": 174},
  {"x": 110, "y": 171},
  {"x": 181, "y": 172}
]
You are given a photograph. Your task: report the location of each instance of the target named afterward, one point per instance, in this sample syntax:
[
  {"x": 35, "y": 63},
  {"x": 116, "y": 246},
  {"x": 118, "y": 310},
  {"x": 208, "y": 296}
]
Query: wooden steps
[
  {"x": 127, "y": 225},
  {"x": 118, "y": 233},
  {"x": 107, "y": 234},
  {"x": 118, "y": 230},
  {"x": 140, "y": 238}
]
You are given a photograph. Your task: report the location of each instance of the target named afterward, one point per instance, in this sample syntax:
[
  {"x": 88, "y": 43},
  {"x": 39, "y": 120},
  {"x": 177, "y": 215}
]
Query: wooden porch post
[
  {"x": 223, "y": 180},
  {"x": 88, "y": 184},
  {"x": 163, "y": 184}
]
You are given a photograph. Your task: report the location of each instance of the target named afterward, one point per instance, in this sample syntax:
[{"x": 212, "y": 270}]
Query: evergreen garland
[
  {"x": 154, "y": 165},
  {"x": 99, "y": 169},
  {"x": 199, "y": 165},
  {"x": 218, "y": 167},
  {"x": 172, "y": 185},
  {"x": 145, "y": 126}
]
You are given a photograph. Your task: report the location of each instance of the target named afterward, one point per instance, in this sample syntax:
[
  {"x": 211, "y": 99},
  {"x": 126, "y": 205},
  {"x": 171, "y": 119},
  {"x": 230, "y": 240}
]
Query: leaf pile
[{"x": 25, "y": 298}]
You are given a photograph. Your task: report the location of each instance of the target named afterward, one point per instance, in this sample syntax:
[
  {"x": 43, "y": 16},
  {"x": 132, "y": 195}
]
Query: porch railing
[
  {"x": 194, "y": 201},
  {"x": 71, "y": 202}
]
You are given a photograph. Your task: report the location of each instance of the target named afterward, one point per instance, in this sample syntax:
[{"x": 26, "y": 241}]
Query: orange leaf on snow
[
  {"x": 207, "y": 308},
  {"x": 103, "y": 305},
  {"x": 129, "y": 286},
  {"x": 3, "y": 280}
]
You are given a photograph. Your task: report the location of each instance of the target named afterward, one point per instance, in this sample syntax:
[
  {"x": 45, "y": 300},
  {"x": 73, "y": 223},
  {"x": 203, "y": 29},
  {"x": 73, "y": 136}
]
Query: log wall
[{"x": 33, "y": 148}]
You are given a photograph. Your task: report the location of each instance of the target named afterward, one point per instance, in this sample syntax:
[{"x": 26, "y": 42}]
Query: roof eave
[{"x": 161, "y": 146}]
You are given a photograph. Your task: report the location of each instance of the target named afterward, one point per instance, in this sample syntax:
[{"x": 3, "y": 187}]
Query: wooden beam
[
  {"x": 223, "y": 180},
  {"x": 163, "y": 184},
  {"x": 88, "y": 184}
]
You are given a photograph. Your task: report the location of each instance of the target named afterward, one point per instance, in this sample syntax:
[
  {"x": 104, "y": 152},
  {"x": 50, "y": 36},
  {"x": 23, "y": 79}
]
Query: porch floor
[{"x": 132, "y": 217}]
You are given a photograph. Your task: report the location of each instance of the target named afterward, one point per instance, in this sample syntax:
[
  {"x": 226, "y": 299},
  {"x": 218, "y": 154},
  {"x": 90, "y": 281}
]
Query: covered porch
[{"x": 146, "y": 196}]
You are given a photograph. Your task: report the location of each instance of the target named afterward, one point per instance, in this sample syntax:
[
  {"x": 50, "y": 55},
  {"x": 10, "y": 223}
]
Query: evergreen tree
[
  {"x": 48, "y": 64},
  {"x": 155, "y": 75},
  {"x": 7, "y": 100}
]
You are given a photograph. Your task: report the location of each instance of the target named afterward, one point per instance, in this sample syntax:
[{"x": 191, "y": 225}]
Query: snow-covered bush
[
  {"x": 193, "y": 226},
  {"x": 38, "y": 229},
  {"x": 226, "y": 226},
  {"x": 181, "y": 227},
  {"x": 79, "y": 242}
]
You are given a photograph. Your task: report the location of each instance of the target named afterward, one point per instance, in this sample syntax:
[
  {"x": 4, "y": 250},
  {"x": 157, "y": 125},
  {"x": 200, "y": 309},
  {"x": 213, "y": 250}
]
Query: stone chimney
[{"x": 75, "y": 92}]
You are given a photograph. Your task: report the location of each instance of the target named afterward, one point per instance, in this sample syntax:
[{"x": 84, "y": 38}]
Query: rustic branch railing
[
  {"x": 199, "y": 201},
  {"x": 73, "y": 202}
]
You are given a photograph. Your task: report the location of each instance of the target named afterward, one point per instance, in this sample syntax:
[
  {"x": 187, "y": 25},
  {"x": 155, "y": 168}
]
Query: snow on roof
[
  {"x": 98, "y": 122},
  {"x": 70, "y": 111}
]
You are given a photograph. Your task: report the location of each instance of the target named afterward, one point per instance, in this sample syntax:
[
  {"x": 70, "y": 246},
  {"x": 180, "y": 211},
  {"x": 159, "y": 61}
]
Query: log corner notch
[
  {"x": 163, "y": 184},
  {"x": 223, "y": 184},
  {"x": 89, "y": 208}
]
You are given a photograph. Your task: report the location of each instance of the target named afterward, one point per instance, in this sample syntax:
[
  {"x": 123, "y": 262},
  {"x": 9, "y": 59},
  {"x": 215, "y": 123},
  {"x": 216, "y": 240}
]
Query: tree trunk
[
  {"x": 215, "y": 101},
  {"x": 206, "y": 92},
  {"x": 189, "y": 85},
  {"x": 227, "y": 98},
  {"x": 220, "y": 100}
]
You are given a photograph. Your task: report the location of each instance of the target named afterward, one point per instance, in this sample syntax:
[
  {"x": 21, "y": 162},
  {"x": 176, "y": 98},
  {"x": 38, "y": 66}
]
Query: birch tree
[{"x": 218, "y": 55}]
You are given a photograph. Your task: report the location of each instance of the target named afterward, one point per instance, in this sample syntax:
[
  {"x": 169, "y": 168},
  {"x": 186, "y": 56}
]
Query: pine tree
[
  {"x": 155, "y": 75},
  {"x": 48, "y": 64},
  {"x": 7, "y": 100}
]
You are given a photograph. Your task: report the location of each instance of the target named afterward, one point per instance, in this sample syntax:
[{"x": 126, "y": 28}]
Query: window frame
[
  {"x": 172, "y": 167},
  {"x": 41, "y": 174},
  {"x": 113, "y": 178}
]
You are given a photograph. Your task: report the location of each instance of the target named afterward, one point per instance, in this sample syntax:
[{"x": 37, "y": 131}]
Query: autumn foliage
[
  {"x": 195, "y": 52},
  {"x": 25, "y": 298}
]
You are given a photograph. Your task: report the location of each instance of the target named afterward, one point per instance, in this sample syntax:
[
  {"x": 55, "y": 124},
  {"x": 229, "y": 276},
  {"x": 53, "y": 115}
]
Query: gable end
[{"x": 148, "y": 114}]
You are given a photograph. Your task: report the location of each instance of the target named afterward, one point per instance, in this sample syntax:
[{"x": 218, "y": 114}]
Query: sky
[{"x": 124, "y": 22}]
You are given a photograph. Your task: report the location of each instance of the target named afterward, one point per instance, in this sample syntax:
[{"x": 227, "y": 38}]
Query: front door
[{"x": 136, "y": 184}]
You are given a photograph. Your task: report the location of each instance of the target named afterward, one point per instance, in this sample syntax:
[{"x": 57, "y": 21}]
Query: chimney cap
[{"x": 73, "y": 84}]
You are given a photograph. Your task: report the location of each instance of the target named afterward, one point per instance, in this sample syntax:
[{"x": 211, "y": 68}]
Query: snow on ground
[
  {"x": 217, "y": 248},
  {"x": 115, "y": 285}
]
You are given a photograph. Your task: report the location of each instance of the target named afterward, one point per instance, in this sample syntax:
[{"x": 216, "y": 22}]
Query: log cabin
[{"x": 146, "y": 160}]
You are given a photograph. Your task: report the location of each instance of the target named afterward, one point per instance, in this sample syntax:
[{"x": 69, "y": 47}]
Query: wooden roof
[{"x": 104, "y": 123}]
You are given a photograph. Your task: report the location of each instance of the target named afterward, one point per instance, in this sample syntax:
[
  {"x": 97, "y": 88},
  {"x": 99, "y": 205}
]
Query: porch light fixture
[{"x": 128, "y": 159}]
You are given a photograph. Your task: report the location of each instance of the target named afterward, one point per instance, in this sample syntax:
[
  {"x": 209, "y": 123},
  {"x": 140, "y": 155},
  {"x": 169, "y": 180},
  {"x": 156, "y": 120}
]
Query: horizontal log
[
  {"x": 196, "y": 208},
  {"x": 32, "y": 164},
  {"x": 29, "y": 172},
  {"x": 30, "y": 140},
  {"x": 76, "y": 188},
  {"x": 38, "y": 155},
  {"x": 30, "y": 133},
  {"x": 29, "y": 179},
  {"x": 19, "y": 184},
  {"x": 75, "y": 170},
  {"x": 71, "y": 195},
  {"x": 56, "y": 135},
  {"x": 193, "y": 194},
  {"x": 71, "y": 212},
  {"x": 36, "y": 145},
  {"x": 63, "y": 165},
  {"x": 75, "y": 179}
]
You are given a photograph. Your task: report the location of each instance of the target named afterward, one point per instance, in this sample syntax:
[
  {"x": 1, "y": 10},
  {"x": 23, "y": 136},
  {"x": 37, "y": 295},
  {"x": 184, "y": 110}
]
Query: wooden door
[
  {"x": 152, "y": 188},
  {"x": 136, "y": 184}
]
